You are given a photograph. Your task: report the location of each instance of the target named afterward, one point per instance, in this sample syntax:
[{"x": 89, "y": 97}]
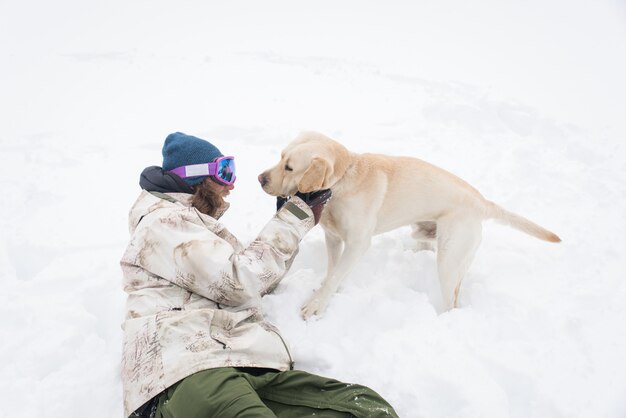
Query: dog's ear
[{"x": 314, "y": 177}]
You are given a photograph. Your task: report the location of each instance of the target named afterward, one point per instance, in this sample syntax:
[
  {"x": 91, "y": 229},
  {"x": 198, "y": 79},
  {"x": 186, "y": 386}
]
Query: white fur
[{"x": 374, "y": 193}]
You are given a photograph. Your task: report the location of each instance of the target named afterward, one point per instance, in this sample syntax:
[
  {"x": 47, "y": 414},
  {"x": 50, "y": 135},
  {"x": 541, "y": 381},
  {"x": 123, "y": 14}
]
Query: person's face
[{"x": 223, "y": 189}]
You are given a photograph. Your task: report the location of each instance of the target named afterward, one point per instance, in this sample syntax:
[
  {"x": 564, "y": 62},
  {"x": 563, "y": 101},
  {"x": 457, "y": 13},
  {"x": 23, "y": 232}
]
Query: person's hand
[
  {"x": 280, "y": 201},
  {"x": 316, "y": 201}
]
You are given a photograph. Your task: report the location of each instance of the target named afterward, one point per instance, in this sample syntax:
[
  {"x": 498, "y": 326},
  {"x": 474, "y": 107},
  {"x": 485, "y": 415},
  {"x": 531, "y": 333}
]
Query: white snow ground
[{"x": 525, "y": 100}]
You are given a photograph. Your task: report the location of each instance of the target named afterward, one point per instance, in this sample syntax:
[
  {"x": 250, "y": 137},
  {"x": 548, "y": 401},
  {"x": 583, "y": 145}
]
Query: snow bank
[{"x": 525, "y": 104}]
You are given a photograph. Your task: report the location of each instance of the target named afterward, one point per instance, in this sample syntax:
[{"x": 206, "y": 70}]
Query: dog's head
[{"x": 309, "y": 163}]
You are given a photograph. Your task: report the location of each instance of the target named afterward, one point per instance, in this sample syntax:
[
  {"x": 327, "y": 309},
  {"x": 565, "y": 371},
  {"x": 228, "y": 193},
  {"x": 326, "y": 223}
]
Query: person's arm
[{"x": 182, "y": 250}]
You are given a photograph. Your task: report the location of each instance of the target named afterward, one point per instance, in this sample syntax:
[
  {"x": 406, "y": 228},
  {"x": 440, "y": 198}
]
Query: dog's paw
[
  {"x": 424, "y": 246},
  {"x": 315, "y": 306}
]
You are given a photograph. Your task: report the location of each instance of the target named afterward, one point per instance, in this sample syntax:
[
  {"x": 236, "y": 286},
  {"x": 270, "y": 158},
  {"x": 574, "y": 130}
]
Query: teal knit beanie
[{"x": 181, "y": 149}]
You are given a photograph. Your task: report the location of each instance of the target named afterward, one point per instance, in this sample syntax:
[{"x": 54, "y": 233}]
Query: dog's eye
[{"x": 287, "y": 168}]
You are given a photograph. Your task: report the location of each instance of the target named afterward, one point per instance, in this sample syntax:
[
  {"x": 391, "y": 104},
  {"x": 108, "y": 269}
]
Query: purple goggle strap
[{"x": 195, "y": 170}]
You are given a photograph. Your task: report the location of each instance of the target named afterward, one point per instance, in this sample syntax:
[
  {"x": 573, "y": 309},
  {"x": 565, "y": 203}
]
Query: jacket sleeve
[{"x": 180, "y": 248}]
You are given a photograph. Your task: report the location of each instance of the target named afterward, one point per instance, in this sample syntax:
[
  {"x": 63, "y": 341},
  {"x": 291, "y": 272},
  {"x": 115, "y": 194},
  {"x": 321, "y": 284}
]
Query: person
[{"x": 196, "y": 343}]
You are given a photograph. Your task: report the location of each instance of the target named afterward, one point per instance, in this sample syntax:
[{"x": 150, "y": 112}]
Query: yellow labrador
[{"x": 375, "y": 193}]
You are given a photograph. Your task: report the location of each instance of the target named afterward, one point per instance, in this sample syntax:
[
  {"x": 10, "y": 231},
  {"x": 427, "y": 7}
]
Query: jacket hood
[{"x": 154, "y": 179}]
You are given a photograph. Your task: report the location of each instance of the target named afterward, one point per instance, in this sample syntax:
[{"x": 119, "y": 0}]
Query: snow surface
[{"x": 525, "y": 100}]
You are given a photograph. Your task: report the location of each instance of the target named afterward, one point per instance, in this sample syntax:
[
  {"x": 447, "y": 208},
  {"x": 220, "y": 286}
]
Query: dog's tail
[{"x": 520, "y": 223}]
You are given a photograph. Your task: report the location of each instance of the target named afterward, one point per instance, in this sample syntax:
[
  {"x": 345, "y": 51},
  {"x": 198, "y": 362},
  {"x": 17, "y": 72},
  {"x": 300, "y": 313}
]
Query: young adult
[{"x": 196, "y": 343}]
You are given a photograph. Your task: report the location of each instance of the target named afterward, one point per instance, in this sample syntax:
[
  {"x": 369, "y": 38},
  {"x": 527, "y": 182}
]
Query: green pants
[{"x": 239, "y": 393}]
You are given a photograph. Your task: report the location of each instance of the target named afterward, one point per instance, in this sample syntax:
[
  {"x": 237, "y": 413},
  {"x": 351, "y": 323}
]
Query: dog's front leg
[
  {"x": 334, "y": 247},
  {"x": 353, "y": 250}
]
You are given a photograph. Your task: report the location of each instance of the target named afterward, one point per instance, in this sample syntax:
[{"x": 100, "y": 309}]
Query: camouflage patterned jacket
[{"x": 194, "y": 291}]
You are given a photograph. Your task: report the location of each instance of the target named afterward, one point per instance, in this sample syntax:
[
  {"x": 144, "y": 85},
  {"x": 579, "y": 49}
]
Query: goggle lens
[{"x": 226, "y": 170}]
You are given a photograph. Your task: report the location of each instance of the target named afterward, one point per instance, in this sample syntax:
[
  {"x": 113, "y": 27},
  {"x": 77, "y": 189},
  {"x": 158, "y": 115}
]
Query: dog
[{"x": 375, "y": 193}]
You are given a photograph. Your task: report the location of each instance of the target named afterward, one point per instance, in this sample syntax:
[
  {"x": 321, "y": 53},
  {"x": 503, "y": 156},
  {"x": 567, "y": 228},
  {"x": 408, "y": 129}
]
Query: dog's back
[
  {"x": 410, "y": 190},
  {"x": 404, "y": 190}
]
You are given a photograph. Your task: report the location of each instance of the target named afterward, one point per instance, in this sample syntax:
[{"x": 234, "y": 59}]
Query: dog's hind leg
[
  {"x": 458, "y": 240},
  {"x": 425, "y": 233}
]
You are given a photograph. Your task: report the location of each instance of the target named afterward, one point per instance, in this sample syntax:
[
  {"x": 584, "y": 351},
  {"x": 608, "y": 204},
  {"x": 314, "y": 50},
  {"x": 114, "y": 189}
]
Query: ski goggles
[{"x": 222, "y": 170}]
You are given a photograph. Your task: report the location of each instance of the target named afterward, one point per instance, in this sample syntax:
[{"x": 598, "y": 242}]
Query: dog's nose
[{"x": 262, "y": 179}]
